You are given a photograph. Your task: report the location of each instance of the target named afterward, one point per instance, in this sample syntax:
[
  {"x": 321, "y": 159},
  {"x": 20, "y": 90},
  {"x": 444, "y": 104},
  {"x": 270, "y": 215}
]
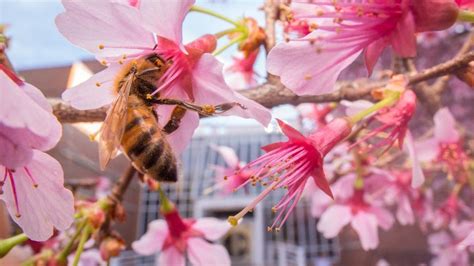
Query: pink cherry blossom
[
  {"x": 31, "y": 184},
  {"x": 229, "y": 178},
  {"x": 343, "y": 30},
  {"x": 177, "y": 239},
  {"x": 290, "y": 164},
  {"x": 445, "y": 146},
  {"x": 395, "y": 188},
  {"x": 36, "y": 198},
  {"x": 450, "y": 211},
  {"x": 243, "y": 68},
  {"x": 117, "y": 33},
  {"x": 26, "y": 121},
  {"x": 364, "y": 217},
  {"x": 446, "y": 246},
  {"x": 316, "y": 113},
  {"x": 394, "y": 121}
]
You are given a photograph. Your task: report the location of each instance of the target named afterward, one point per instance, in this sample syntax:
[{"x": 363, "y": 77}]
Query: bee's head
[{"x": 159, "y": 62}]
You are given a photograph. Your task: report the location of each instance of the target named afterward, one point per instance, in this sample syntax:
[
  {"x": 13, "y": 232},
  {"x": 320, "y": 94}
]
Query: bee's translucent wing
[{"x": 112, "y": 129}]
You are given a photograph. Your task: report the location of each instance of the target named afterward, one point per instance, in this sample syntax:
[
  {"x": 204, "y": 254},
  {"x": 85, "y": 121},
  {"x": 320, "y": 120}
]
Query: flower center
[
  {"x": 453, "y": 156},
  {"x": 287, "y": 167}
]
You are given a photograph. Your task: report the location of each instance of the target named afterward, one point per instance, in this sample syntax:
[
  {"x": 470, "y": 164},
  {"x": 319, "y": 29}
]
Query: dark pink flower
[
  {"x": 344, "y": 29},
  {"x": 290, "y": 164},
  {"x": 175, "y": 238},
  {"x": 117, "y": 33}
]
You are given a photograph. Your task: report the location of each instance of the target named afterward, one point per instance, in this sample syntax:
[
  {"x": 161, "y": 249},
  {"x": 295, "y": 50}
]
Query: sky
[{"x": 36, "y": 43}]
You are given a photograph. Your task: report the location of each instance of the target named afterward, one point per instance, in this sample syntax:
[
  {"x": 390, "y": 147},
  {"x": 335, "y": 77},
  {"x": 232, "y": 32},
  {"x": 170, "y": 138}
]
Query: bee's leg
[
  {"x": 175, "y": 119},
  {"x": 203, "y": 110}
]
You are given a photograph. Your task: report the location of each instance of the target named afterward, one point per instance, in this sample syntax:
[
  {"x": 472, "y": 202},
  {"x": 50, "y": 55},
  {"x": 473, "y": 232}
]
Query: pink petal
[
  {"x": 354, "y": 107},
  {"x": 306, "y": 71},
  {"x": 90, "y": 24},
  {"x": 445, "y": 126},
  {"x": 18, "y": 110},
  {"x": 165, "y": 18},
  {"x": 403, "y": 39},
  {"x": 366, "y": 227},
  {"x": 373, "y": 52},
  {"x": 180, "y": 138},
  {"x": 229, "y": 155},
  {"x": 212, "y": 228},
  {"x": 418, "y": 178},
  {"x": 88, "y": 95},
  {"x": 37, "y": 96},
  {"x": 344, "y": 187},
  {"x": 321, "y": 181},
  {"x": 45, "y": 207},
  {"x": 209, "y": 87},
  {"x": 384, "y": 217},
  {"x": 290, "y": 131},
  {"x": 270, "y": 147},
  {"x": 320, "y": 202},
  {"x": 13, "y": 155},
  {"x": 333, "y": 220},
  {"x": 427, "y": 150},
  {"x": 467, "y": 242},
  {"x": 171, "y": 256},
  {"x": 152, "y": 241},
  {"x": 404, "y": 211},
  {"x": 201, "y": 252}
]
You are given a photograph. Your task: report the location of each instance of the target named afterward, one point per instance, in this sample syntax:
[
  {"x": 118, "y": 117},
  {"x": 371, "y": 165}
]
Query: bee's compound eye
[{"x": 156, "y": 59}]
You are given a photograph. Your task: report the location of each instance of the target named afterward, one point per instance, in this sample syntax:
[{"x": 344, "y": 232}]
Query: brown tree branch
[{"x": 273, "y": 93}]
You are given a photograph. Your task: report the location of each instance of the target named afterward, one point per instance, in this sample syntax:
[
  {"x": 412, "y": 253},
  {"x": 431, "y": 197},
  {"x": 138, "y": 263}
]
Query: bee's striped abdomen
[{"x": 146, "y": 146}]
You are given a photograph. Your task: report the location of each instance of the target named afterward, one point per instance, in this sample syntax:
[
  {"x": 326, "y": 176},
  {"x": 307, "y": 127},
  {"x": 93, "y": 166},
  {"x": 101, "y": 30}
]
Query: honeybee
[{"x": 132, "y": 124}]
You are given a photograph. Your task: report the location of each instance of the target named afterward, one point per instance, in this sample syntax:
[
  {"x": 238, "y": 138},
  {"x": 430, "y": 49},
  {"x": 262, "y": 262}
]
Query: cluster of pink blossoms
[
  {"x": 118, "y": 32},
  {"x": 31, "y": 181}
]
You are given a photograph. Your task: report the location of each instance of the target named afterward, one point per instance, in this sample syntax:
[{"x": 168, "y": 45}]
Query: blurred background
[{"x": 47, "y": 60}]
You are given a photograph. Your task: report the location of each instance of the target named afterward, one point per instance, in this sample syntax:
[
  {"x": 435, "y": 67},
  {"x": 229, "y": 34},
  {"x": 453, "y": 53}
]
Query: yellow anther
[
  {"x": 149, "y": 96},
  {"x": 208, "y": 109},
  {"x": 308, "y": 77},
  {"x": 120, "y": 62},
  {"x": 269, "y": 229},
  {"x": 124, "y": 56},
  {"x": 277, "y": 229},
  {"x": 98, "y": 84},
  {"x": 232, "y": 220},
  {"x": 274, "y": 209},
  {"x": 225, "y": 177},
  {"x": 101, "y": 46},
  {"x": 103, "y": 62}
]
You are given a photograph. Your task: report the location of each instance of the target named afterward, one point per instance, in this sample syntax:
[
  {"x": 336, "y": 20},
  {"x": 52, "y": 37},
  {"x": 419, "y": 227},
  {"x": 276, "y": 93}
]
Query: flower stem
[
  {"x": 390, "y": 99},
  {"x": 214, "y": 14},
  {"x": 80, "y": 248},
  {"x": 7, "y": 244},
  {"x": 466, "y": 16},
  {"x": 223, "y": 33},
  {"x": 166, "y": 205},
  {"x": 232, "y": 42},
  {"x": 62, "y": 257}
]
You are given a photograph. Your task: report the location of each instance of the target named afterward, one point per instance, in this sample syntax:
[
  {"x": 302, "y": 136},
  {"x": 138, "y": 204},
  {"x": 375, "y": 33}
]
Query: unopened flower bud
[
  {"x": 111, "y": 247},
  {"x": 96, "y": 216},
  {"x": 434, "y": 15},
  {"x": 255, "y": 38}
]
